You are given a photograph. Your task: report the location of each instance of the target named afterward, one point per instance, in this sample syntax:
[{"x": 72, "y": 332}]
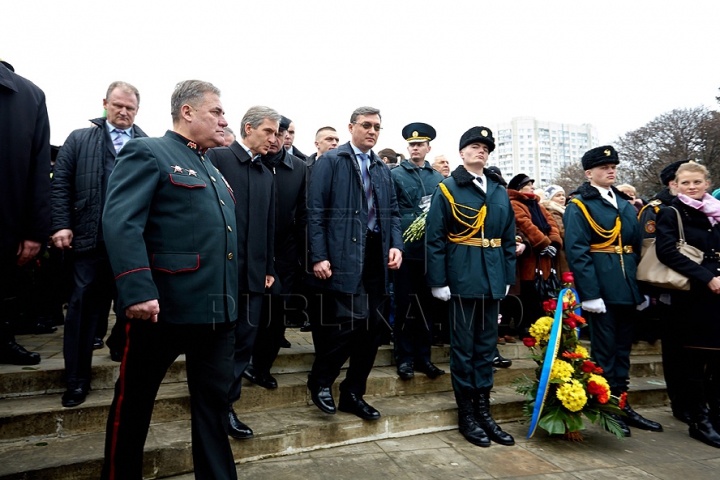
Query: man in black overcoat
[
  {"x": 280, "y": 305},
  {"x": 252, "y": 186},
  {"x": 24, "y": 187}
]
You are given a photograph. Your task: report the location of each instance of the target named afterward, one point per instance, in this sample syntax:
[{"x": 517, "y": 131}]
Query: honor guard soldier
[
  {"x": 169, "y": 225},
  {"x": 471, "y": 262},
  {"x": 416, "y": 310},
  {"x": 602, "y": 241}
]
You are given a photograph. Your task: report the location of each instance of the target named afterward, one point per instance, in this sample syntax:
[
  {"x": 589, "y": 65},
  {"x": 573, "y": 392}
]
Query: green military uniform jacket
[
  {"x": 601, "y": 274},
  {"x": 412, "y": 185},
  {"x": 169, "y": 226},
  {"x": 471, "y": 271}
]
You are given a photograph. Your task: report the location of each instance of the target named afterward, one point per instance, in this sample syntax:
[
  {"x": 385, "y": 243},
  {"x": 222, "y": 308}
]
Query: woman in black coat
[{"x": 697, "y": 310}]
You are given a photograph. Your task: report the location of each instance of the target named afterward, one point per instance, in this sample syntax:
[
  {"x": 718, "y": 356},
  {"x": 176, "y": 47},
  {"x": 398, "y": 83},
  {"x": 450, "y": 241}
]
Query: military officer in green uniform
[
  {"x": 416, "y": 310},
  {"x": 602, "y": 241},
  {"x": 471, "y": 262},
  {"x": 169, "y": 225}
]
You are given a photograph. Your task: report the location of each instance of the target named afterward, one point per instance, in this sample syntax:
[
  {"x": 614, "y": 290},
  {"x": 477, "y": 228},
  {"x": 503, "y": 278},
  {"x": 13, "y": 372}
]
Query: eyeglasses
[{"x": 368, "y": 126}]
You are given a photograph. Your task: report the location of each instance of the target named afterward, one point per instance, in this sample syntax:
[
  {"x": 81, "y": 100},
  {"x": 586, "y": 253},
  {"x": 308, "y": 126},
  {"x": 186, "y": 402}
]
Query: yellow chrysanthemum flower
[
  {"x": 561, "y": 369},
  {"x": 583, "y": 351},
  {"x": 540, "y": 330},
  {"x": 572, "y": 395}
]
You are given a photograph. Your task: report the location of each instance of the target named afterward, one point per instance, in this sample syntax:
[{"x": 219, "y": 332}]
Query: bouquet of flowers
[
  {"x": 568, "y": 384},
  {"x": 416, "y": 230}
]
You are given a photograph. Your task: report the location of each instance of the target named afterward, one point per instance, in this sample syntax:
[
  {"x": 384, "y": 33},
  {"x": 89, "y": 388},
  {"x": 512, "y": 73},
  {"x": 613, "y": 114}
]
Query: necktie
[
  {"x": 118, "y": 140},
  {"x": 610, "y": 194},
  {"x": 367, "y": 184}
]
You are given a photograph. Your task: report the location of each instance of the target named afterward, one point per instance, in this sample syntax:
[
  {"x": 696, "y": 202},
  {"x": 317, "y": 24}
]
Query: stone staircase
[{"x": 39, "y": 439}]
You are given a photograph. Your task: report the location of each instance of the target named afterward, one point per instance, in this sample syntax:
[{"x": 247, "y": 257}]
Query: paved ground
[{"x": 446, "y": 455}]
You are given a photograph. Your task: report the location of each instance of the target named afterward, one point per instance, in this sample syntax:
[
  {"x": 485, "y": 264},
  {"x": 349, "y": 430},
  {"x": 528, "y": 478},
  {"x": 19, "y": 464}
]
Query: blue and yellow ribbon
[{"x": 550, "y": 357}]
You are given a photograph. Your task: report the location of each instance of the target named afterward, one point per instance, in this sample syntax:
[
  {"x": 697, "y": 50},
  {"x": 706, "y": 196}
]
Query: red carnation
[
  {"x": 588, "y": 366},
  {"x": 602, "y": 398},
  {"x": 567, "y": 277},
  {"x": 529, "y": 341},
  {"x": 553, "y": 304},
  {"x": 570, "y": 322},
  {"x": 623, "y": 400},
  {"x": 598, "y": 371},
  {"x": 576, "y": 317},
  {"x": 546, "y": 306},
  {"x": 596, "y": 389}
]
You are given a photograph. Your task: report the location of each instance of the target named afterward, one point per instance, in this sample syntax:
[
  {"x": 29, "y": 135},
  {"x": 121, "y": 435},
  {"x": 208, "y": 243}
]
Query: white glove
[
  {"x": 549, "y": 251},
  {"x": 665, "y": 298},
  {"x": 507, "y": 289},
  {"x": 644, "y": 304},
  {"x": 596, "y": 305},
  {"x": 441, "y": 293}
]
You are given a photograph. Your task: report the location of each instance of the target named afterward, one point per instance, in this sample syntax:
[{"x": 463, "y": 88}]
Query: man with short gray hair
[
  {"x": 79, "y": 183},
  {"x": 252, "y": 186},
  {"x": 169, "y": 225}
]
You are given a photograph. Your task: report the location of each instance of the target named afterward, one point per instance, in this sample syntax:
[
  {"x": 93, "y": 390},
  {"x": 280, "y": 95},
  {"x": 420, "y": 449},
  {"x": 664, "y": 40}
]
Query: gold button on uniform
[
  {"x": 212, "y": 178},
  {"x": 230, "y": 255},
  {"x": 222, "y": 203},
  {"x": 229, "y": 228}
]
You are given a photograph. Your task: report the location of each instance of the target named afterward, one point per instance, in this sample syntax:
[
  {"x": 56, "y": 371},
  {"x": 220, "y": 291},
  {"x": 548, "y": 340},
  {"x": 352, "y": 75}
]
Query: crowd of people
[{"x": 211, "y": 244}]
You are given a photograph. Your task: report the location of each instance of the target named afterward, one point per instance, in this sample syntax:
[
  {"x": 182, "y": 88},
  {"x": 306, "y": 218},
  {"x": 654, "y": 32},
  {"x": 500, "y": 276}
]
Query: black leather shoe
[
  {"x": 98, "y": 343},
  {"x": 430, "y": 370},
  {"x": 623, "y": 426},
  {"x": 502, "y": 362},
  {"x": 14, "y": 354},
  {"x": 636, "y": 420},
  {"x": 284, "y": 343},
  {"x": 73, "y": 397},
  {"x": 115, "y": 355},
  {"x": 405, "y": 371},
  {"x": 323, "y": 399},
  {"x": 306, "y": 328},
  {"x": 351, "y": 403},
  {"x": 682, "y": 415},
  {"x": 237, "y": 428},
  {"x": 264, "y": 380},
  {"x": 42, "y": 328}
]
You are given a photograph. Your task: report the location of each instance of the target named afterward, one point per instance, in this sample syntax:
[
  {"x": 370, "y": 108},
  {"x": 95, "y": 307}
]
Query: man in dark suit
[
  {"x": 80, "y": 179},
  {"x": 354, "y": 235},
  {"x": 252, "y": 186},
  {"x": 169, "y": 227},
  {"x": 289, "y": 174},
  {"x": 24, "y": 187},
  {"x": 289, "y": 140}
]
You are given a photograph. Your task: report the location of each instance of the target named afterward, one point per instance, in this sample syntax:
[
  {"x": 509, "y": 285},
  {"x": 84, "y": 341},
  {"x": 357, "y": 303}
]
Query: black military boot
[
  {"x": 11, "y": 352},
  {"x": 701, "y": 428},
  {"x": 636, "y": 420},
  {"x": 467, "y": 424},
  {"x": 482, "y": 415}
]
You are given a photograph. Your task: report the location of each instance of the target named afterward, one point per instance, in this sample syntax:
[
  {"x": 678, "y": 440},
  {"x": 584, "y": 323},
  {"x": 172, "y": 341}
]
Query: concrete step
[
  {"x": 48, "y": 376},
  {"x": 43, "y": 416},
  {"x": 277, "y": 432}
]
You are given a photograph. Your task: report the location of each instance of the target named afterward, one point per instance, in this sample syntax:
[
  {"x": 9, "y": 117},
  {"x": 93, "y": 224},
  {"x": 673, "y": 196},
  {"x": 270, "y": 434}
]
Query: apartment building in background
[{"x": 539, "y": 148}]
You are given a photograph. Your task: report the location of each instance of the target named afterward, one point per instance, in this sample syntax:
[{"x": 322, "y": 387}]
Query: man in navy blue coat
[{"x": 355, "y": 239}]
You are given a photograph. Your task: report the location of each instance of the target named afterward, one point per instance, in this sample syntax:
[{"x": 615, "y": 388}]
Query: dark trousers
[
  {"x": 94, "y": 288},
  {"x": 702, "y": 385},
  {"x": 8, "y": 269},
  {"x": 149, "y": 350},
  {"x": 673, "y": 356},
  {"x": 473, "y": 339},
  {"x": 415, "y": 314},
  {"x": 611, "y": 336},
  {"x": 348, "y": 326},
  {"x": 278, "y": 308},
  {"x": 249, "y": 308}
]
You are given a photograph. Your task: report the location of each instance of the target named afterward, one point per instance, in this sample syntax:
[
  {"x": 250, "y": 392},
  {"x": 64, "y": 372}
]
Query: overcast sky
[{"x": 616, "y": 64}]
